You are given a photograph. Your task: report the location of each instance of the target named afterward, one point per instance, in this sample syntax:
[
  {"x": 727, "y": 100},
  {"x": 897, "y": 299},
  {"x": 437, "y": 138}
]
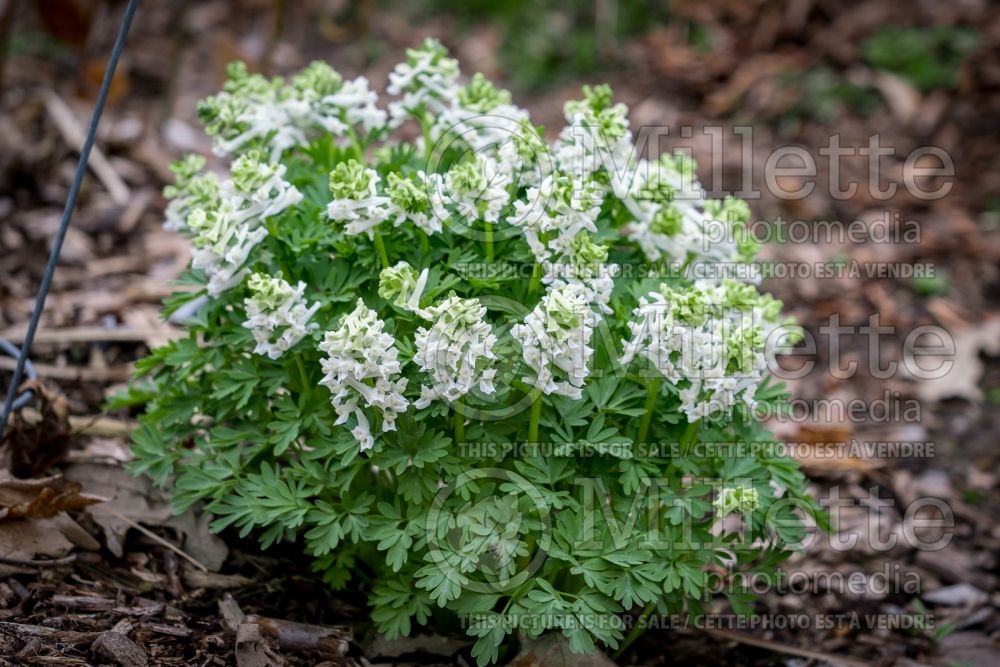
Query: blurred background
[{"x": 915, "y": 72}]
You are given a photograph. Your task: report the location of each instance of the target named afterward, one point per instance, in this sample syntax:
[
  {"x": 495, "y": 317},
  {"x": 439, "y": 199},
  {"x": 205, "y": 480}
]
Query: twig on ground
[
  {"x": 75, "y": 373},
  {"x": 91, "y": 335},
  {"x": 330, "y": 641},
  {"x": 153, "y": 536},
  {"x": 787, "y": 649},
  {"x": 72, "y": 132},
  {"x": 37, "y": 563},
  {"x": 92, "y": 425},
  {"x": 23, "y": 630}
]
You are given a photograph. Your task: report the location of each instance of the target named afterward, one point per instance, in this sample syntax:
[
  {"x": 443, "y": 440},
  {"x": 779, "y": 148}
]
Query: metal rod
[{"x": 74, "y": 191}]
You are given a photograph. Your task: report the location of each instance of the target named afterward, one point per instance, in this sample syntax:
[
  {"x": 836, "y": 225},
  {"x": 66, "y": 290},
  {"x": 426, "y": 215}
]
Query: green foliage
[
  {"x": 823, "y": 93},
  {"x": 547, "y": 41},
  {"x": 928, "y": 57}
]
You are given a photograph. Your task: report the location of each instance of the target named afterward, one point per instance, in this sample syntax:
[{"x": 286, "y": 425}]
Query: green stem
[
  {"x": 424, "y": 242},
  {"x": 383, "y": 256},
  {"x": 536, "y": 280},
  {"x": 425, "y": 130},
  {"x": 488, "y": 237},
  {"x": 536, "y": 415},
  {"x": 637, "y": 629},
  {"x": 304, "y": 378},
  {"x": 356, "y": 145},
  {"x": 652, "y": 393},
  {"x": 688, "y": 437},
  {"x": 459, "y": 425}
]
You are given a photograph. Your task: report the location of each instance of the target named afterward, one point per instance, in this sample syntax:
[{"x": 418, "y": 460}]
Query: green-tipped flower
[
  {"x": 401, "y": 286},
  {"x": 351, "y": 180},
  {"x": 269, "y": 292},
  {"x": 433, "y": 56},
  {"x": 481, "y": 95},
  {"x": 250, "y": 173},
  {"x": 277, "y": 314},
  {"x": 730, "y": 209},
  {"x": 555, "y": 341},
  {"x": 585, "y": 251},
  {"x": 596, "y": 111},
  {"x": 223, "y": 114},
  {"x": 240, "y": 81},
  {"x": 317, "y": 81},
  {"x": 736, "y": 499},
  {"x": 467, "y": 178},
  {"x": 190, "y": 190},
  {"x": 529, "y": 145},
  {"x": 408, "y": 195},
  {"x": 668, "y": 220},
  {"x": 681, "y": 164},
  {"x": 741, "y": 296},
  {"x": 743, "y": 348},
  {"x": 564, "y": 310},
  {"x": 427, "y": 80},
  {"x": 735, "y": 213},
  {"x": 409, "y": 202},
  {"x": 184, "y": 170},
  {"x": 690, "y": 307}
]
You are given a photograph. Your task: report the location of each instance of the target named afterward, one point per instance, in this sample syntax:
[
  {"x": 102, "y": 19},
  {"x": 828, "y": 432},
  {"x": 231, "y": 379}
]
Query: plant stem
[
  {"x": 688, "y": 437},
  {"x": 356, "y": 145},
  {"x": 637, "y": 629},
  {"x": 459, "y": 425},
  {"x": 536, "y": 415},
  {"x": 425, "y": 131},
  {"x": 304, "y": 377},
  {"x": 652, "y": 393},
  {"x": 536, "y": 280},
  {"x": 488, "y": 237},
  {"x": 383, "y": 256}
]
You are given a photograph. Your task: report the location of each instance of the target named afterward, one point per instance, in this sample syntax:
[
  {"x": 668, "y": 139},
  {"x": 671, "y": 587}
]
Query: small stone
[
  {"x": 552, "y": 650},
  {"x": 119, "y": 649},
  {"x": 959, "y": 595}
]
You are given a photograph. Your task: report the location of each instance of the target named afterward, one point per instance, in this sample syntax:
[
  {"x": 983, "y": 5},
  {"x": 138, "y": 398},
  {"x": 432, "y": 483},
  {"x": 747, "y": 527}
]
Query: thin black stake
[{"x": 74, "y": 191}]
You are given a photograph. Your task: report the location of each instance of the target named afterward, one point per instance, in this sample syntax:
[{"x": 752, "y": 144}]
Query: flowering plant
[{"x": 468, "y": 370}]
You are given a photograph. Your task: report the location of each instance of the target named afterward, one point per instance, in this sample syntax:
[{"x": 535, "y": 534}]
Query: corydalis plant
[{"x": 376, "y": 327}]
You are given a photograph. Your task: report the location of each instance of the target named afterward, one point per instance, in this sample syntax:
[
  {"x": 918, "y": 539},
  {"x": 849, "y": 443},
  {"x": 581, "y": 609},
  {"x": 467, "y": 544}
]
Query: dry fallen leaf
[
  {"x": 28, "y": 539},
  {"x": 137, "y": 499},
  {"x": 31, "y": 448},
  {"x": 552, "y": 650},
  {"x": 41, "y": 498},
  {"x": 962, "y": 378}
]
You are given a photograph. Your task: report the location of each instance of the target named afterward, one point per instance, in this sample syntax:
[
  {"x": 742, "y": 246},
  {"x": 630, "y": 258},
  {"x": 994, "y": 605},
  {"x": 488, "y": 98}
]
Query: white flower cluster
[
  {"x": 275, "y": 308},
  {"x": 225, "y": 231},
  {"x": 363, "y": 372},
  {"x": 476, "y": 189},
  {"x": 252, "y": 108},
  {"x": 427, "y": 80},
  {"x": 481, "y": 120},
  {"x": 455, "y": 350},
  {"x": 596, "y": 138},
  {"x": 673, "y": 220},
  {"x": 585, "y": 266},
  {"x": 708, "y": 339},
  {"x": 555, "y": 211},
  {"x": 555, "y": 341}
]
